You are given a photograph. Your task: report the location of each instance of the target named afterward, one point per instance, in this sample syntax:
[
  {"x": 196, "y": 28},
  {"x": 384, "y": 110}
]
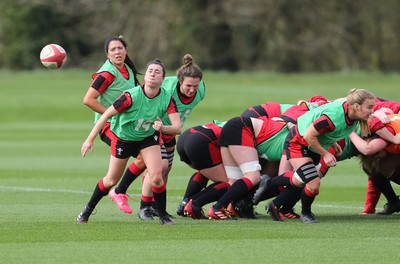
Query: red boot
[{"x": 371, "y": 198}]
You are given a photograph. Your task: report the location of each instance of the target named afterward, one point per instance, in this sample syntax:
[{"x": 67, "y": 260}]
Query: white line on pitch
[
  {"x": 31, "y": 189},
  {"x": 337, "y": 206}
]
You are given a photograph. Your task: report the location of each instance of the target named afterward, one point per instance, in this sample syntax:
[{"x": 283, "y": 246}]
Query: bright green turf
[{"x": 44, "y": 183}]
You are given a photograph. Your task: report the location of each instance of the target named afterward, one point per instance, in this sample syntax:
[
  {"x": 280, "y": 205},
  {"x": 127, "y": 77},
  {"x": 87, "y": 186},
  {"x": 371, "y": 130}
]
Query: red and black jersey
[{"x": 269, "y": 109}]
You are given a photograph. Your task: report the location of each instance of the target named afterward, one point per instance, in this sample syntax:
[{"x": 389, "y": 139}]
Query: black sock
[
  {"x": 280, "y": 180},
  {"x": 160, "y": 200},
  {"x": 204, "y": 191},
  {"x": 144, "y": 204},
  {"x": 288, "y": 197},
  {"x": 238, "y": 190},
  {"x": 385, "y": 186},
  {"x": 306, "y": 202},
  {"x": 212, "y": 194},
  {"x": 196, "y": 183},
  {"x": 97, "y": 195},
  {"x": 271, "y": 191},
  {"x": 128, "y": 178}
]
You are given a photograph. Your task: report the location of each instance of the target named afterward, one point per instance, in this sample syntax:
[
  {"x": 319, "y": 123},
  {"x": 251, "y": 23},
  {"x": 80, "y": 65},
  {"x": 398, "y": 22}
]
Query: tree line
[{"x": 233, "y": 35}]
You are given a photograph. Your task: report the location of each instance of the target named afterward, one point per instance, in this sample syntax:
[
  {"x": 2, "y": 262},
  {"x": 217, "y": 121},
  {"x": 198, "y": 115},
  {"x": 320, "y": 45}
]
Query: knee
[
  {"x": 253, "y": 176},
  {"x": 109, "y": 182},
  {"x": 313, "y": 186},
  {"x": 156, "y": 180},
  {"x": 307, "y": 173},
  {"x": 140, "y": 163}
]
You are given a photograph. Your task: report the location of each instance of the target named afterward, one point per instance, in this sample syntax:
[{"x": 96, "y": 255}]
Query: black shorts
[
  {"x": 198, "y": 147},
  {"x": 255, "y": 111},
  {"x": 296, "y": 147},
  {"x": 123, "y": 149},
  {"x": 105, "y": 133},
  {"x": 169, "y": 140},
  {"x": 238, "y": 131}
]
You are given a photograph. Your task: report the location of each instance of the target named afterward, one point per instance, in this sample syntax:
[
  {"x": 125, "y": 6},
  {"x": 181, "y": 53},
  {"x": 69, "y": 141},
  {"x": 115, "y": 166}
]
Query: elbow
[
  {"x": 86, "y": 101},
  {"x": 367, "y": 152},
  {"x": 178, "y": 130},
  {"x": 307, "y": 138},
  {"x": 364, "y": 153}
]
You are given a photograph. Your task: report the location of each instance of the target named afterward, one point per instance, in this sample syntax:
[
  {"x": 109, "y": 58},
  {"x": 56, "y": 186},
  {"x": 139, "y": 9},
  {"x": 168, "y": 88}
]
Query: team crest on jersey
[
  {"x": 305, "y": 151},
  {"x": 119, "y": 151}
]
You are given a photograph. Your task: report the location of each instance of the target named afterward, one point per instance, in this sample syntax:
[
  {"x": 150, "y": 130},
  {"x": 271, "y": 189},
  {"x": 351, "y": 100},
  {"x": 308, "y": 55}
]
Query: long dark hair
[{"x": 127, "y": 60}]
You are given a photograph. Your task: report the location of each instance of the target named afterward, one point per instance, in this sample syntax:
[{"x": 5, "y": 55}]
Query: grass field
[{"x": 44, "y": 183}]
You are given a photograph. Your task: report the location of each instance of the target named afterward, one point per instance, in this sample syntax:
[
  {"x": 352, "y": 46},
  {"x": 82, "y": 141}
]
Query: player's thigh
[
  {"x": 152, "y": 158},
  {"x": 216, "y": 173},
  {"x": 243, "y": 154}
]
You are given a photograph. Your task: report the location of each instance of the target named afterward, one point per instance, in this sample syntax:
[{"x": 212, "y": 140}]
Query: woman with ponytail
[{"x": 188, "y": 90}]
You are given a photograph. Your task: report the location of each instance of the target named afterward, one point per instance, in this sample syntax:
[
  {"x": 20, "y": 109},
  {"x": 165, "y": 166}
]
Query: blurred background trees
[{"x": 270, "y": 35}]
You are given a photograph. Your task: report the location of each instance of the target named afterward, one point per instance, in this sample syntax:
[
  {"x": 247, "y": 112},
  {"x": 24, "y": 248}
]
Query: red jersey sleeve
[
  {"x": 102, "y": 80},
  {"x": 375, "y": 124},
  {"x": 123, "y": 102},
  {"x": 172, "y": 108},
  {"x": 294, "y": 112},
  {"x": 323, "y": 125},
  {"x": 394, "y": 106}
]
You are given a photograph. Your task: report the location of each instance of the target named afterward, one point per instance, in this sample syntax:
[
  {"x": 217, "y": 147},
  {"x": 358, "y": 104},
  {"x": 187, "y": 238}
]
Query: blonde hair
[
  {"x": 189, "y": 69},
  {"x": 358, "y": 96}
]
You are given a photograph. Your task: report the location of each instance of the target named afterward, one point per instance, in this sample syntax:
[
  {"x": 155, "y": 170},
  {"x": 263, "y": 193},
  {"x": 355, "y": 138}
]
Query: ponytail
[
  {"x": 130, "y": 64},
  {"x": 189, "y": 69}
]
